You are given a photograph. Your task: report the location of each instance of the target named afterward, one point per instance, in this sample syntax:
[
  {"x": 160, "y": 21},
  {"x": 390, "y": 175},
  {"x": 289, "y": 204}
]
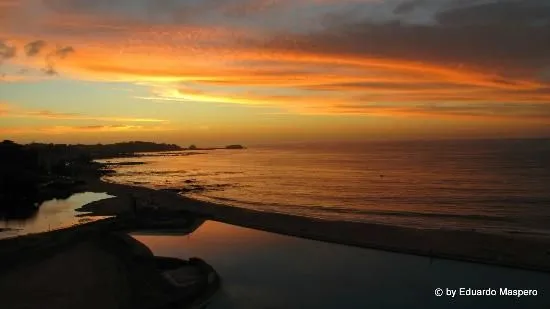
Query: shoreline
[{"x": 513, "y": 250}]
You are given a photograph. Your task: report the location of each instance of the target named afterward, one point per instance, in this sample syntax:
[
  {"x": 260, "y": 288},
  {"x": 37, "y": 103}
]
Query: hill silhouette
[{"x": 36, "y": 172}]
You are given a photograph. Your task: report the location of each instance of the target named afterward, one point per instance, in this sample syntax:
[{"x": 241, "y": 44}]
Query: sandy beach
[{"x": 513, "y": 250}]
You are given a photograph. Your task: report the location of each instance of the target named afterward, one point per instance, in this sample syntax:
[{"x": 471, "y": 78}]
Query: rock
[{"x": 234, "y": 147}]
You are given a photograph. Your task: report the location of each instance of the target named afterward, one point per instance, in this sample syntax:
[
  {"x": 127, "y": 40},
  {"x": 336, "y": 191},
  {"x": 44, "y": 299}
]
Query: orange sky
[{"x": 191, "y": 71}]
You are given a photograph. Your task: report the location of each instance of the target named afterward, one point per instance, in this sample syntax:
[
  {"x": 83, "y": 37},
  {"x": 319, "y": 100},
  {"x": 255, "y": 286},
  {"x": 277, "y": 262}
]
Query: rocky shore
[{"x": 33, "y": 173}]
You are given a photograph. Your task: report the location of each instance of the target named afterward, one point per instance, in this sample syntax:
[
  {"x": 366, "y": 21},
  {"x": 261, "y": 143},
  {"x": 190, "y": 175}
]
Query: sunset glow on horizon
[{"x": 273, "y": 70}]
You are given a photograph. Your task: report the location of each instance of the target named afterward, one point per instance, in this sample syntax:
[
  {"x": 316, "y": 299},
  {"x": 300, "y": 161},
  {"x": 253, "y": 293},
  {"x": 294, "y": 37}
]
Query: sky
[{"x": 260, "y": 71}]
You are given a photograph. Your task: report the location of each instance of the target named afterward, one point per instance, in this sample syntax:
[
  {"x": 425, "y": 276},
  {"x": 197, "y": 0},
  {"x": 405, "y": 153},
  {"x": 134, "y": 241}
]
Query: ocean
[{"x": 500, "y": 186}]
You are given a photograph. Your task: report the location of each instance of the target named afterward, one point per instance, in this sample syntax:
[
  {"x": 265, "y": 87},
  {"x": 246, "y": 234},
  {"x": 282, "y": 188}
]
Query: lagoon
[
  {"x": 267, "y": 270},
  {"x": 50, "y": 215}
]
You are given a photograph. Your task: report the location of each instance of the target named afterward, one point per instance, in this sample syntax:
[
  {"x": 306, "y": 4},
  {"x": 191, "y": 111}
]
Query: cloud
[
  {"x": 501, "y": 49},
  {"x": 459, "y": 103},
  {"x": 7, "y": 8},
  {"x": 250, "y": 99},
  {"x": 97, "y": 128},
  {"x": 532, "y": 113},
  {"x": 504, "y": 13},
  {"x": 53, "y": 57},
  {"x": 100, "y": 129},
  {"x": 246, "y": 8},
  {"x": 49, "y": 70},
  {"x": 377, "y": 56},
  {"x": 63, "y": 52},
  {"x": 34, "y": 48},
  {"x": 11, "y": 111},
  {"x": 68, "y": 6},
  {"x": 63, "y": 130},
  {"x": 19, "y": 77},
  {"x": 7, "y": 51},
  {"x": 4, "y": 109},
  {"x": 408, "y": 6},
  {"x": 53, "y": 115},
  {"x": 177, "y": 11}
]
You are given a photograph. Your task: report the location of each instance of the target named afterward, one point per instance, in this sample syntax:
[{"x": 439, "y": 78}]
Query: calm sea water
[{"x": 491, "y": 185}]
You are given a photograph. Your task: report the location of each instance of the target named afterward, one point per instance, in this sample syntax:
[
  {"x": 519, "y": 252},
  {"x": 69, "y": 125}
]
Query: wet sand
[{"x": 514, "y": 250}]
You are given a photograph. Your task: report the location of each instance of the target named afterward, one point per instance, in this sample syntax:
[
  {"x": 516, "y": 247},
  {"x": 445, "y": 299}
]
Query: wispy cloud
[
  {"x": 63, "y": 130},
  {"x": 407, "y": 101},
  {"x": 7, "y": 51},
  {"x": 11, "y": 111},
  {"x": 34, "y": 48},
  {"x": 53, "y": 57},
  {"x": 105, "y": 124},
  {"x": 99, "y": 128}
]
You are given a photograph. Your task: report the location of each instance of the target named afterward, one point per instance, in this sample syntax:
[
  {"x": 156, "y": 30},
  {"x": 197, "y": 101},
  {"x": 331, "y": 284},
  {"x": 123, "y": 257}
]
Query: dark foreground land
[
  {"x": 30, "y": 174},
  {"x": 97, "y": 265},
  {"x": 93, "y": 265}
]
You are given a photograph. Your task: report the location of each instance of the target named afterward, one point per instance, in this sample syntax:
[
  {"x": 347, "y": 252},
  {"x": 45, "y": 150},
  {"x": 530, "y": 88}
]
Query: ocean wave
[{"x": 287, "y": 208}]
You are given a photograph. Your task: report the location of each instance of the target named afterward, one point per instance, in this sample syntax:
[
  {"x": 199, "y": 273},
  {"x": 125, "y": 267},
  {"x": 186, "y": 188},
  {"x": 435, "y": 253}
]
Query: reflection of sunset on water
[
  {"x": 212, "y": 236},
  {"x": 52, "y": 215},
  {"x": 265, "y": 270}
]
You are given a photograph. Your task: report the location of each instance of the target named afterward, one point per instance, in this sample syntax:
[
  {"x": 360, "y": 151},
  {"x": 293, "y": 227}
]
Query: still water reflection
[
  {"x": 52, "y": 214},
  {"x": 266, "y": 270}
]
